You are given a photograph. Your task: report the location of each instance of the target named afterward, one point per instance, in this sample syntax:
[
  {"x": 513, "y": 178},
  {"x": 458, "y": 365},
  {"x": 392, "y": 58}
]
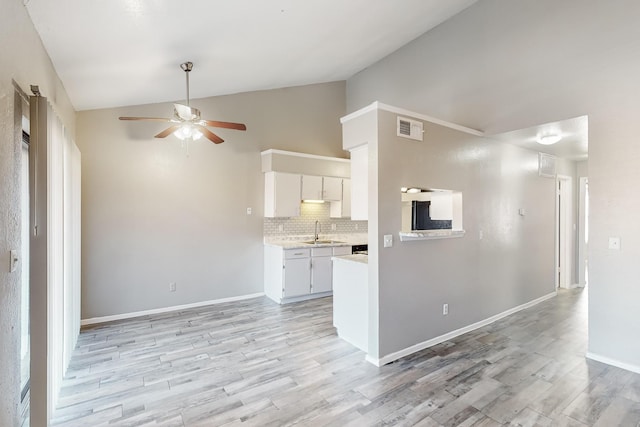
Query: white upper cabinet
[
  {"x": 281, "y": 194},
  {"x": 321, "y": 188},
  {"x": 311, "y": 187},
  {"x": 342, "y": 208},
  {"x": 331, "y": 188}
]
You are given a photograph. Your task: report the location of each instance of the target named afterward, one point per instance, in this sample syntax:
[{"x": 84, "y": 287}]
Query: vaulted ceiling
[{"x": 125, "y": 52}]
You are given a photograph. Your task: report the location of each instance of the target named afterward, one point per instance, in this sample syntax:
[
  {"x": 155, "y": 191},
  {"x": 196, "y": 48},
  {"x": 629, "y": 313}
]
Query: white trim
[
  {"x": 613, "y": 362},
  {"x": 287, "y": 300},
  {"x": 308, "y": 156},
  {"x": 104, "y": 319},
  {"x": 361, "y": 112},
  {"x": 430, "y": 235},
  {"x": 450, "y": 335},
  {"x": 380, "y": 106}
]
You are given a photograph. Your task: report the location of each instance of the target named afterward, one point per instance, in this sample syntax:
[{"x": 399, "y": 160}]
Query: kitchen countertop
[
  {"x": 297, "y": 242},
  {"x": 361, "y": 258}
]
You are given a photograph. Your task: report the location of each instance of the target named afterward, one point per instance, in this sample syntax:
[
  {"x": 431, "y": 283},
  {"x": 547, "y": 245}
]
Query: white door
[{"x": 564, "y": 232}]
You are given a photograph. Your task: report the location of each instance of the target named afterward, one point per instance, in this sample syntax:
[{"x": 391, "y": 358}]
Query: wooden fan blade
[
  {"x": 153, "y": 119},
  {"x": 227, "y": 125},
  {"x": 210, "y": 135},
  {"x": 168, "y": 131}
]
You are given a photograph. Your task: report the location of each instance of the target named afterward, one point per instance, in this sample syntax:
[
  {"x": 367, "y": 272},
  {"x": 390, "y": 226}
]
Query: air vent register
[{"x": 412, "y": 129}]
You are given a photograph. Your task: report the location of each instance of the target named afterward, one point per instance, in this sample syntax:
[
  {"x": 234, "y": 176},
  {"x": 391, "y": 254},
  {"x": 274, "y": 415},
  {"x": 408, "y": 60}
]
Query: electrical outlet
[
  {"x": 614, "y": 243},
  {"x": 280, "y": 228},
  {"x": 249, "y": 211},
  {"x": 172, "y": 287},
  {"x": 445, "y": 309},
  {"x": 388, "y": 240},
  {"x": 480, "y": 235},
  {"x": 14, "y": 258}
]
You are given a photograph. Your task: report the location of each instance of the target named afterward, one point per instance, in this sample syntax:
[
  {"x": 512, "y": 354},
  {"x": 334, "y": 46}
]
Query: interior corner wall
[
  {"x": 479, "y": 277},
  {"x": 154, "y": 213},
  {"x": 23, "y": 61},
  {"x": 488, "y": 68}
]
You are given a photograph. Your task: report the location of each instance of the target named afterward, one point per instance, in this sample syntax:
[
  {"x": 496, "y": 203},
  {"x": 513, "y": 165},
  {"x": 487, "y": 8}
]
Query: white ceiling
[
  {"x": 573, "y": 145},
  {"x": 112, "y": 53}
]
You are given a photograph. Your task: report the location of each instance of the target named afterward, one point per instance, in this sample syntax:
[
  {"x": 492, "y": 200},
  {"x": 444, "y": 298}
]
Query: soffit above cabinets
[{"x": 305, "y": 164}]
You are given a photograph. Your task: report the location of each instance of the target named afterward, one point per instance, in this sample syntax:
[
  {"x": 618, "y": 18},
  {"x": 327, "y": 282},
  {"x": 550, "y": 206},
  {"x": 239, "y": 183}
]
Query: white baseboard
[
  {"x": 613, "y": 362},
  {"x": 103, "y": 319},
  {"x": 572, "y": 286},
  {"x": 450, "y": 335}
]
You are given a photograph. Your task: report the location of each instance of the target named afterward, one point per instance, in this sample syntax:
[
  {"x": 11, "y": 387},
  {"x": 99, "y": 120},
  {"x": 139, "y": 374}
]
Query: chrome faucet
[{"x": 315, "y": 235}]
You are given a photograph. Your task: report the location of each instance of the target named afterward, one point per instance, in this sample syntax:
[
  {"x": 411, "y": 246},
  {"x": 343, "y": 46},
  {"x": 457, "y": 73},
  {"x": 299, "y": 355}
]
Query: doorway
[
  {"x": 564, "y": 232},
  {"x": 25, "y": 350}
]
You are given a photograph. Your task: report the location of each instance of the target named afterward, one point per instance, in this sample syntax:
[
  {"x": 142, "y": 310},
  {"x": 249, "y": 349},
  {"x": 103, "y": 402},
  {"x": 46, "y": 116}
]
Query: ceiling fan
[{"x": 186, "y": 121}]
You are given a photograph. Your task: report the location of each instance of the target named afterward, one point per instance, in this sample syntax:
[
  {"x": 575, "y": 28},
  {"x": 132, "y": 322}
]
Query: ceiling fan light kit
[{"x": 187, "y": 124}]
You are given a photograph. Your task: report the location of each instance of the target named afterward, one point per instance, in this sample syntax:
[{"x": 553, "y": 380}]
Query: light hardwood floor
[{"x": 260, "y": 364}]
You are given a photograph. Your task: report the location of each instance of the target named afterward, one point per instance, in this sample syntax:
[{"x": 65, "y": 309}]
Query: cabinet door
[
  {"x": 332, "y": 188},
  {"x": 281, "y": 195},
  {"x": 297, "y": 275},
  {"x": 342, "y": 208},
  {"x": 321, "y": 274},
  {"x": 311, "y": 187}
]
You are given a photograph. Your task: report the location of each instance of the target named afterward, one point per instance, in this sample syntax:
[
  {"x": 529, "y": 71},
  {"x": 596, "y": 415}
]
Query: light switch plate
[{"x": 388, "y": 240}]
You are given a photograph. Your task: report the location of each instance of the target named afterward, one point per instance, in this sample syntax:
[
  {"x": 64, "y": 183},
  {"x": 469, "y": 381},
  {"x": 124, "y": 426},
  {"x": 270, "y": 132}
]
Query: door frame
[
  {"x": 564, "y": 232},
  {"x": 583, "y": 231}
]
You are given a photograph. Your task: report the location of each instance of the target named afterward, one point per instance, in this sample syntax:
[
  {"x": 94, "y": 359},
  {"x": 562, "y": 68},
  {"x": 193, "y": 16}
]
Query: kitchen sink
[{"x": 321, "y": 242}]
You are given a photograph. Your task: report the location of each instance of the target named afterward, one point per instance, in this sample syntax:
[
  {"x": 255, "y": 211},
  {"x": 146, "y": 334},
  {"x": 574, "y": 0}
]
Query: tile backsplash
[{"x": 305, "y": 223}]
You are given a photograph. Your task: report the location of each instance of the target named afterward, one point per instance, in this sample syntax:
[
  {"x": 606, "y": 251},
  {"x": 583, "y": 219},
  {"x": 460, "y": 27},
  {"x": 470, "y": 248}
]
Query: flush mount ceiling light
[
  {"x": 549, "y": 139},
  {"x": 186, "y": 123}
]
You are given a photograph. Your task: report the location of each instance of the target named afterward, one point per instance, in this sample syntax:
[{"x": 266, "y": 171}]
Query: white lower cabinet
[
  {"x": 321, "y": 269},
  {"x": 298, "y": 274}
]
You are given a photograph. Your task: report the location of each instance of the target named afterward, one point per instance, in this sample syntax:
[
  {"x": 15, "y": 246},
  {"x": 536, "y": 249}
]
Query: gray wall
[
  {"x": 511, "y": 265},
  {"x": 503, "y": 65},
  {"x": 24, "y": 60},
  {"x": 153, "y": 214}
]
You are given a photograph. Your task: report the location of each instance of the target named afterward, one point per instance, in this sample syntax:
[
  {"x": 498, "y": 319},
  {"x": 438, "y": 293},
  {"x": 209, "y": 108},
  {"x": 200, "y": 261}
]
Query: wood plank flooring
[{"x": 255, "y": 363}]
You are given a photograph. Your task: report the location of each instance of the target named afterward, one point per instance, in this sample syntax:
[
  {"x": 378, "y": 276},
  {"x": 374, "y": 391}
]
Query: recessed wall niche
[{"x": 429, "y": 213}]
